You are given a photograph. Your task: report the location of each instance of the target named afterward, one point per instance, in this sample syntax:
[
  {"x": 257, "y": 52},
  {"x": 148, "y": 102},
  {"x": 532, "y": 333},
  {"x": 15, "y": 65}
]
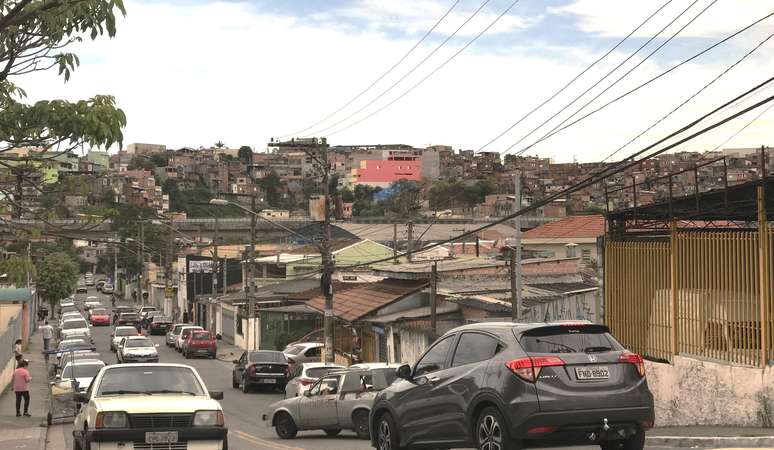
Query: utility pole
[
  {"x": 250, "y": 273},
  {"x": 115, "y": 269},
  {"x": 327, "y": 261},
  {"x": 168, "y": 277},
  {"x": 215, "y": 261},
  {"x": 433, "y": 293},
  {"x": 141, "y": 261},
  {"x": 409, "y": 239},
  {"x": 395, "y": 243},
  {"x": 516, "y": 254}
]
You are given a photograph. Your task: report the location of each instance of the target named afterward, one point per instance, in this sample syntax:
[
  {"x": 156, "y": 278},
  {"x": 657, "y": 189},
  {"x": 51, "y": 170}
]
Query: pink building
[{"x": 382, "y": 173}]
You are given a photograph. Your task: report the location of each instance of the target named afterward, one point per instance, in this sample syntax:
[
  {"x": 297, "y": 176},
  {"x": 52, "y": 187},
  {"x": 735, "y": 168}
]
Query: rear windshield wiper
[
  {"x": 598, "y": 349},
  {"x": 558, "y": 344}
]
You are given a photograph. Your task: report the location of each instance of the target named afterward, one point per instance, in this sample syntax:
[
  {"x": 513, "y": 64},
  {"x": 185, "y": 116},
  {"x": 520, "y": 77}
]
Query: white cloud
[
  {"x": 616, "y": 18},
  {"x": 192, "y": 75}
]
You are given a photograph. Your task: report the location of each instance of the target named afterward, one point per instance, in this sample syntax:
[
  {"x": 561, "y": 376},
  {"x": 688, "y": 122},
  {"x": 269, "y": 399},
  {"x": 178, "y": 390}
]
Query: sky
[{"x": 194, "y": 72}]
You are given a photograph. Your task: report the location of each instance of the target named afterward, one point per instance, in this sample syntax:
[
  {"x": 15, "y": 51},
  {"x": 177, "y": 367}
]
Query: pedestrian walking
[
  {"x": 21, "y": 386},
  {"x": 48, "y": 332},
  {"x": 17, "y": 351}
]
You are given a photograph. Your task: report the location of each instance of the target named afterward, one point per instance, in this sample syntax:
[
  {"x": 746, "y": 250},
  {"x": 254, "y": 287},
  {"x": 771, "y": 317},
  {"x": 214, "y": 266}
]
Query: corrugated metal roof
[
  {"x": 15, "y": 295},
  {"x": 588, "y": 226},
  {"x": 353, "y": 301}
]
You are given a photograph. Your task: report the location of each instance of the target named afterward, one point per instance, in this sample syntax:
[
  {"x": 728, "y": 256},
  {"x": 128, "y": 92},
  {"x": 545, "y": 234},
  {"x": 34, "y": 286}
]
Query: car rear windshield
[
  {"x": 161, "y": 319},
  {"x": 74, "y": 324},
  {"x": 267, "y": 357},
  {"x": 98, "y": 312},
  {"x": 69, "y": 344},
  {"x": 126, "y": 332},
  {"x": 201, "y": 337},
  {"x": 81, "y": 371},
  {"x": 569, "y": 339},
  {"x": 149, "y": 380},
  {"x": 126, "y": 316},
  {"x": 319, "y": 372}
]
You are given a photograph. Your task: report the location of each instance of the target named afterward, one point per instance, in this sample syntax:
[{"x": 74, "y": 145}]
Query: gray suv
[{"x": 500, "y": 386}]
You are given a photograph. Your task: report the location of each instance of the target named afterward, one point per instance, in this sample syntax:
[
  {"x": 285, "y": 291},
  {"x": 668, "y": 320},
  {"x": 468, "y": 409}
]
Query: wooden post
[
  {"x": 764, "y": 269},
  {"x": 673, "y": 305}
]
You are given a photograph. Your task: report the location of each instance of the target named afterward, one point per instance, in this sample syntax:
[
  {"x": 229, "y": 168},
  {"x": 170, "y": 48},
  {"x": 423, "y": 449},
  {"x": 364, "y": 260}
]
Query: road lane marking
[{"x": 256, "y": 440}]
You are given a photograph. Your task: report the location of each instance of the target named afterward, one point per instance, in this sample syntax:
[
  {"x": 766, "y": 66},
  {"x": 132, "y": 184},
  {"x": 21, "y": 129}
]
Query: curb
[{"x": 710, "y": 441}]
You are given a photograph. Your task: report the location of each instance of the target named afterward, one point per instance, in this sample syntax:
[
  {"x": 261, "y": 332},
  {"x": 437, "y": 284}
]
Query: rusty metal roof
[{"x": 353, "y": 301}]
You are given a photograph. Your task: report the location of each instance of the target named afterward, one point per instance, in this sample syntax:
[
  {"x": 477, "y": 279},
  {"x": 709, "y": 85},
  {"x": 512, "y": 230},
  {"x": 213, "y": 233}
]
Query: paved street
[{"x": 243, "y": 411}]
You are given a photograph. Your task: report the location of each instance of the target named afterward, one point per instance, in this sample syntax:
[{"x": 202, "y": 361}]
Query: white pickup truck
[{"x": 149, "y": 406}]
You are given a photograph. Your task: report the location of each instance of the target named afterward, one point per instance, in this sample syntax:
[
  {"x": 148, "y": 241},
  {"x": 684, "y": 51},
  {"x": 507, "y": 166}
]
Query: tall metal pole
[
  {"x": 410, "y": 242},
  {"x": 516, "y": 254},
  {"x": 168, "y": 277},
  {"x": 141, "y": 261},
  {"x": 395, "y": 243},
  {"x": 327, "y": 261},
  {"x": 251, "y": 278},
  {"x": 115, "y": 269},
  {"x": 433, "y": 298},
  {"x": 215, "y": 261}
]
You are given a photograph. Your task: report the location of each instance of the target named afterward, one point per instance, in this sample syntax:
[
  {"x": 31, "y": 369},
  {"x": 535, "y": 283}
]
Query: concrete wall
[
  {"x": 412, "y": 345},
  {"x": 10, "y": 330},
  {"x": 696, "y": 392}
]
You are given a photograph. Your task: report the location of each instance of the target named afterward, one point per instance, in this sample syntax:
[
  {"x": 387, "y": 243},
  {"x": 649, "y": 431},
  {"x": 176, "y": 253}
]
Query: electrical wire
[
  {"x": 575, "y": 78},
  {"x": 412, "y": 70},
  {"x": 626, "y": 94},
  {"x": 614, "y": 83},
  {"x": 422, "y": 80},
  {"x": 380, "y": 78}
]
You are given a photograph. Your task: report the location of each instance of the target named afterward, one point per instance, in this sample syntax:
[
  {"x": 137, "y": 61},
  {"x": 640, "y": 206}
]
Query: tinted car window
[
  {"x": 318, "y": 372},
  {"x": 312, "y": 352},
  {"x": 267, "y": 357},
  {"x": 139, "y": 343},
  {"x": 474, "y": 347},
  {"x": 126, "y": 332},
  {"x": 435, "y": 359},
  {"x": 74, "y": 324},
  {"x": 569, "y": 340}
]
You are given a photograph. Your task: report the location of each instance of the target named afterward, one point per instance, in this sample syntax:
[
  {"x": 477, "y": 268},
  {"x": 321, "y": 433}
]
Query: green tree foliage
[
  {"x": 15, "y": 269},
  {"x": 445, "y": 194},
  {"x": 272, "y": 186},
  {"x": 404, "y": 203},
  {"x": 245, "y": 155},
  {"x": 57, "y": 277},
  {"x": 33, "y": 36}
]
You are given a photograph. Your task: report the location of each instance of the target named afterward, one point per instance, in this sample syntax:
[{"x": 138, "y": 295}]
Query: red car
[
  {"x": 200, "y": 342},
  {"x": 99, "y": 316}
]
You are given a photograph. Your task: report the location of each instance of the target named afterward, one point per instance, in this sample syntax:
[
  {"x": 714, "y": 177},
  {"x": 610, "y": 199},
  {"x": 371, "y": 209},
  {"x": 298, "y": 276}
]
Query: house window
[{"x": 586, "y": 255}]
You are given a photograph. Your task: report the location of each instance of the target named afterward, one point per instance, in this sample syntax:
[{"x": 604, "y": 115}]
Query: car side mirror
[
  {"x": 216, "y": 395},
  {"x": 235, "y": 361},
  {"x": 58, "y": 377},
  {"x": 307, "y": 394},
  {"x": 80, "y": 398},
  {"x": 404, "y": 371}
]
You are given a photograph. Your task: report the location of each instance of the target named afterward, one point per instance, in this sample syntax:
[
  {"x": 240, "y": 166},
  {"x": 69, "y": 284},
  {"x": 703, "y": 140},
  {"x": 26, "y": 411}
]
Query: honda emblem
[{"x": 592, "y": 358}]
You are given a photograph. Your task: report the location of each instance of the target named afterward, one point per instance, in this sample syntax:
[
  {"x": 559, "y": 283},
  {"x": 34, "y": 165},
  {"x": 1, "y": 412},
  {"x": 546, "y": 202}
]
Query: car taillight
[
  {"x": 306, "y": 381},
  {"x": 633, "y": 358},
  {"x": 251, "y": 369},
  {"x": 529, "y": 368}
]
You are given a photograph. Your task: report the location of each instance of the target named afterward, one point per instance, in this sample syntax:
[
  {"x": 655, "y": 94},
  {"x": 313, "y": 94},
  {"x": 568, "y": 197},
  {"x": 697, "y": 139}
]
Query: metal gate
[{"x": 227, "y": 318}]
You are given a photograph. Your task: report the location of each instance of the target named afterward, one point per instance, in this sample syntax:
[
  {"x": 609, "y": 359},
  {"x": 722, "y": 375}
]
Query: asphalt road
[{"x": 242, "y": 411}]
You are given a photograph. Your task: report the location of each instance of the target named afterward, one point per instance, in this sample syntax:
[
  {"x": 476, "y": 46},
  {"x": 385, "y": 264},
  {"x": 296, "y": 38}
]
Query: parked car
[
  {"x": 118, "y": 310},
  {"x": 119, "y": 402},
  {"x": 200, "y": 343},
  {"x": 148, "y": 317},
  {"x": 317, "y": 335},
  {"x": 74, "y": 326},
  {"x": 184, "y": 332},
  {"x": 91, "y": 302},
  {"x": 134, "y": 349},
  {"x": 120, "y": 333},
  {"x": 107, "y": 288},
  {"x": 159, "y": 324},
  {"x": 81, "y": 288},
  {"x": 378, "y": 365},
  {"x": 99, "y": 285},
  {"x": 69, "y": 315},
  {"x": 304, "y": 375},
  {"x": 174, "y": 332},
  {"x": 129, "y": 318},
  {"x": 67, "y": 346},
  {"x": 303, "y": 352},
  {"x": 146, "y": 309},
  {"x": 262, "y": 367},
  {"x": 80, "y": 372},
  {"x": 557, "y": 384},
  {"x": 99, "y": 316},
  {"x": 339, "y": 400},
  {"x": 89, "y": 281}
]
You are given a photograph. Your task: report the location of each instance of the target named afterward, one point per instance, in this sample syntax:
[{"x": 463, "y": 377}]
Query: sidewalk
[
  {"x": 711, "y": 437},
  {"x": 29, "y": 432},
  {"x": 228, "y": 352}
]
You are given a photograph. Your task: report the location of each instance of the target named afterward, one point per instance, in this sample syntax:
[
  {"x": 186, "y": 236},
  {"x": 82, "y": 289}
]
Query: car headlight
[
  {"x": 208, "y": 419},
  {"x": 112, "y": 420}
]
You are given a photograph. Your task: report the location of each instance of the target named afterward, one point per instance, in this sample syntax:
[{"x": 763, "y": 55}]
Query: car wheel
[
  {"x": 332, "y": 431},
  {"x": 187, "y": 354},
  {"x": 77, "y": 444},
  {"x": 636, "y": 442},
  {"x": 285, "y": 427},
  {"x": 234, "y": 383},
  {"x": 492, "y": 432},
  {"x": 245, "y": 387},
  {"x": 49, "y": 419},
  {"x": 360, "y": 421},
  {"x": 386, "y": 433}
]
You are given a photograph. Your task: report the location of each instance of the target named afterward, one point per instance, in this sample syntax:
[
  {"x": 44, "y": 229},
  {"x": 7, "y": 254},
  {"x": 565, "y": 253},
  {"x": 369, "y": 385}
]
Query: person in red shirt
[{"x": 21, "y": 386}]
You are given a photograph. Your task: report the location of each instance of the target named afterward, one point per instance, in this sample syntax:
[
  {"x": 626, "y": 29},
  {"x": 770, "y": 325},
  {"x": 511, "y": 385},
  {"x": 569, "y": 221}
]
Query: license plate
[
  {"x": 161, "y": 437},
  {"x": 267, "y": 380},
  {"x": 592, "y": 373}
]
